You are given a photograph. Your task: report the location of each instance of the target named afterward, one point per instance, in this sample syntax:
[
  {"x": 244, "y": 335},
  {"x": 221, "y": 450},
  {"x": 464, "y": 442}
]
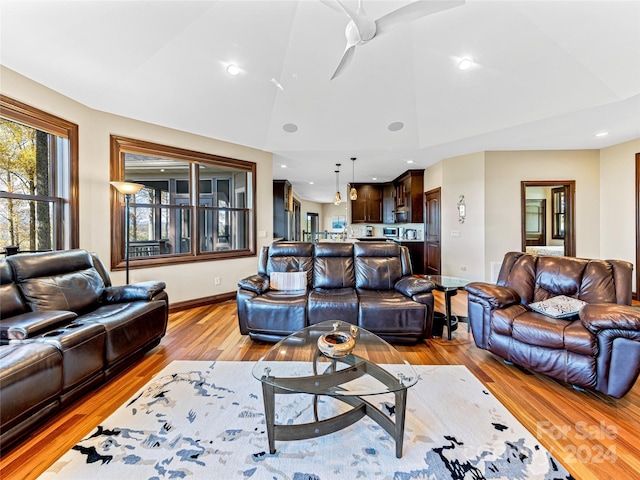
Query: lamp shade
[{"x": 127, "y": 188}]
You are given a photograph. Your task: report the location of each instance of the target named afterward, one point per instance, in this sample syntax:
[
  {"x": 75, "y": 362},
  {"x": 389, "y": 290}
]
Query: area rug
[{"x": 205, "y": 420}]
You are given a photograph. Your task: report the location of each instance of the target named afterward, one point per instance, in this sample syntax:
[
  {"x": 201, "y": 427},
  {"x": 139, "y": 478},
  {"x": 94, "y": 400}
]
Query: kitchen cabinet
[
  {"x": 283, "y": 218},
  {"x": 409, "y": 188},
  {"x": 388, "y": 203},
  {"x": 416, "y": 252},
  {"x": 367, "y": 208}
]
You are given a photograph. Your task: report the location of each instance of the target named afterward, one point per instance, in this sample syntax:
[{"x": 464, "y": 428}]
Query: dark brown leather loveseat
[
  {"x": 598, "y": 348},
  {"x": 64, "y": 329},
  {"x": 369, "y": 284}
]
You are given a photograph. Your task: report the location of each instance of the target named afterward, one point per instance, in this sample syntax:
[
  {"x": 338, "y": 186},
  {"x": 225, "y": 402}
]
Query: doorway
[
  {"x": 432, "y": 260},
  {"x": 548, "y": 217}
]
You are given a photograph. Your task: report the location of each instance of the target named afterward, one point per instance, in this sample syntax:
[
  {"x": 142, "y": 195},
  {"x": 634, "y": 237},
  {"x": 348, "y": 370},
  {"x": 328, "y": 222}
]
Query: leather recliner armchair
[{"x": 598, "y": 349}]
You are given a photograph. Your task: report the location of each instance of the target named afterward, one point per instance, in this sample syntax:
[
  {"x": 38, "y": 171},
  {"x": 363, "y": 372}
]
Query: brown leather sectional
[
  {"x": 369, "y": 284},
  {"x": 64, "y": 329},
  {"x": 598, "y": 349}
]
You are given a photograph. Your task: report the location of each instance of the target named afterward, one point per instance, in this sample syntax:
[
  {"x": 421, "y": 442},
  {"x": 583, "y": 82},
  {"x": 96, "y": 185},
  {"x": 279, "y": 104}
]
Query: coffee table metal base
[{"x": 360, "y": 406}]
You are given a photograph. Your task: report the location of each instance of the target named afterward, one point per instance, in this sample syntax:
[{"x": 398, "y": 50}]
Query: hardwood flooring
[{"x": 593, "y": 436}]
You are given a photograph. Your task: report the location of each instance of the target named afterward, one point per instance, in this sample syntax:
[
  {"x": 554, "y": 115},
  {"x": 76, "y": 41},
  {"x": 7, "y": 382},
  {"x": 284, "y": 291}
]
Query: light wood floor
[{"x": 593, "y": 436}]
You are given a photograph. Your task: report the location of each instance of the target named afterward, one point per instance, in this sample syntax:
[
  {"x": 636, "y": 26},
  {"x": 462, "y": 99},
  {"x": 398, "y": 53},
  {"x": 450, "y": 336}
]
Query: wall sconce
[{"x": 462, "y": 209}]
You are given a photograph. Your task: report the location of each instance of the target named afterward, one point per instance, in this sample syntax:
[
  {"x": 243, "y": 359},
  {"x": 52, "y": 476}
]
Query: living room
[{"x": 488, "y": 178}]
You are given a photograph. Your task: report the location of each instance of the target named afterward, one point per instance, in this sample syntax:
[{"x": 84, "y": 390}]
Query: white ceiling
[{"x": 548, "y": 75}]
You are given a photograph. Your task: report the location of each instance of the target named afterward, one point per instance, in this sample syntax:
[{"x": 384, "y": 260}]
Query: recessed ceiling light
[
  {"x": 601, "y": 134},
  {"x": 233, "y": 69},
  {"x": 409, "y": 161},
  {"x": 465, "y": 64},
  {"x": 310, "y": 183},
  {"x": 395, "y": 126},
  {"x": 290, "y": 127},
  {"x": 374, "y": 178}
]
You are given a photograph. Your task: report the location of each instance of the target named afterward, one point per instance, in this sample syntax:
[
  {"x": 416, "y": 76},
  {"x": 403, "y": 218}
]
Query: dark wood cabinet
[
  {"x": 283, "y": 221},
  {"x": 367, "y": 208},
  {"x": 416, "y": 252},
  {"x": 388, "y": 203},
  {"x": 409, "y": 188}
]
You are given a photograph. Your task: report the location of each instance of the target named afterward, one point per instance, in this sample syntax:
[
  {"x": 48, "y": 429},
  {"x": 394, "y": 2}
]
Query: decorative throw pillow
[
  {"x": 288, "y": 280},
  {"x": 558, "y": 307}
]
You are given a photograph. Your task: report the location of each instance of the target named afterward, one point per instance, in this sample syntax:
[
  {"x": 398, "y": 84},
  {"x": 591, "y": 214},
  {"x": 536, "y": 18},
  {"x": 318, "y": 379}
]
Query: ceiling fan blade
[
  {"x": 345, "y": 60},
  {"x": 334, "y": 5},
  {"x": 413, "y": 11}
]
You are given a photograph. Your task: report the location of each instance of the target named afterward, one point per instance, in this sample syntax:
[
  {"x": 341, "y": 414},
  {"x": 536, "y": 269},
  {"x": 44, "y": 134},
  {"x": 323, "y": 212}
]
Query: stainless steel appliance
[
  {"x": 369, "y": 231},
  {"x": 391, "y": 232}
]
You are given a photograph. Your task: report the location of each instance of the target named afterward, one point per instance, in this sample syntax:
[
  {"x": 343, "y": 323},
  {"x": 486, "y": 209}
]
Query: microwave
[{"x": 390, "y": 232}]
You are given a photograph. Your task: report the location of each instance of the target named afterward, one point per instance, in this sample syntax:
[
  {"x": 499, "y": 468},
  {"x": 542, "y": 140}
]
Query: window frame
[
  {"x": 120, "y": 145},
  {"x": 19, "y": 112}
]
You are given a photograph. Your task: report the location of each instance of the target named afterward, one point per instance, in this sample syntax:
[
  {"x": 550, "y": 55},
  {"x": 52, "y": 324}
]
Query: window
[
  {"x": 193, "y": 206},
  {"x": 559, "y": 212},
  {"x": 38, "y": 179}
]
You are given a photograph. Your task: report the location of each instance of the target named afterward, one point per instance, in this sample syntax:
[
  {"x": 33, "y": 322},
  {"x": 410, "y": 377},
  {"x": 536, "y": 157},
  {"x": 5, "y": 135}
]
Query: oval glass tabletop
[{"x": 373, "y": 367}]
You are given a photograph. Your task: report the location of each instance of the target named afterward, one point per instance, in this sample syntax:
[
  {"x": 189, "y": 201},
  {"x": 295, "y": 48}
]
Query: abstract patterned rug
[{"x": 205, "y": 420}]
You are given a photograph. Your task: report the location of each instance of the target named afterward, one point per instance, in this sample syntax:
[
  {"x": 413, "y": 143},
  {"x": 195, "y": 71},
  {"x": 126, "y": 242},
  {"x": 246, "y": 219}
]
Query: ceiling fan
[{"x": 362, "y": 28}]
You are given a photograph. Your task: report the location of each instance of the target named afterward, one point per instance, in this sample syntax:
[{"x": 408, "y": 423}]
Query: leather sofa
[
  {"x": 369, "y": 284},
  {"x": 64, "y": 329},
  {"x": 598, "y": 348}
]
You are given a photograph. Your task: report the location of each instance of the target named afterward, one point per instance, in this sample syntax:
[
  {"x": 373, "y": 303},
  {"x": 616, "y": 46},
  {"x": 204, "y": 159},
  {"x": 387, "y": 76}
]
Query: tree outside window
[{"x": 38, "y": 167}]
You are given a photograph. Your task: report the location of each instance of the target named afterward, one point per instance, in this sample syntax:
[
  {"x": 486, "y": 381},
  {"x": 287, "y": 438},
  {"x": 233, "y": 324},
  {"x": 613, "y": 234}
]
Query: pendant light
[
  {"x": 353, "y": 193},
  {"x": 337, "y": 198}
]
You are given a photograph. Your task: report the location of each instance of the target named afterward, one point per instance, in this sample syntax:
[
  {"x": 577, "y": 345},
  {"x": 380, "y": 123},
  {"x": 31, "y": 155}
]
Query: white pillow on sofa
[
  {"x": 288, "y": 280},
  {"x": 558, "y": 307}
]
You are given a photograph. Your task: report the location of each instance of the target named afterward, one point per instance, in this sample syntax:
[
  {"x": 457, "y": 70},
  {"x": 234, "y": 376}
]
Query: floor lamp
[{"x": 127, "y": 189}]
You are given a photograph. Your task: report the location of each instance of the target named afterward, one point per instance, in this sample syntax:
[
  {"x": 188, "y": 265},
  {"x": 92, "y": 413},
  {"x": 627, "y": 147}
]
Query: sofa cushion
[
  {"x": 333, "y": 304},
  {"x": 558, "y": 276},
  {"x": 78, "y": 291},
  {"x": 10, "y": 299},
  {"x": 288, "y": 281},
  {"x": 558, "y": 307},
  {"x": 333, "y": 265},
  {"x": 388, "y": 312},
  {"x": 378, "y": 265},
  {"x": 535, "y": 329}
]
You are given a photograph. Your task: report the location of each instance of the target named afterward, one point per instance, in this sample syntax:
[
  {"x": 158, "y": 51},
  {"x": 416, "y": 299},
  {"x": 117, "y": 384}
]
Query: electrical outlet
[
  {"x": 262, "y": 233},
  {"x": 216, "y": 280},
  {"x": 455, "y": 233}
]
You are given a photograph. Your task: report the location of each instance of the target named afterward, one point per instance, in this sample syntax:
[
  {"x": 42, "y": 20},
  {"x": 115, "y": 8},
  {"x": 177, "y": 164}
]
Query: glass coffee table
[{"x": 295, "y": 365}]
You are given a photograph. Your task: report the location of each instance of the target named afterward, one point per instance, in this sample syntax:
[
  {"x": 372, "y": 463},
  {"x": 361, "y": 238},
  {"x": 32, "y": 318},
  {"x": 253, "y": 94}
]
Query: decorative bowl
[{"x": 336, "y": 344}]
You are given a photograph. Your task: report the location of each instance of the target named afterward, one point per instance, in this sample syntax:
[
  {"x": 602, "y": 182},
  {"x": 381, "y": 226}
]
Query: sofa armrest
[
  {"x": 410, "y": 286},
  {"x": 255, "y": 283},
  {"x": 29, "y": 324},
  {"x": 601, "y": 316},
  {"x": 494, "y": 295},
  {"x": 132, "y": 292}
]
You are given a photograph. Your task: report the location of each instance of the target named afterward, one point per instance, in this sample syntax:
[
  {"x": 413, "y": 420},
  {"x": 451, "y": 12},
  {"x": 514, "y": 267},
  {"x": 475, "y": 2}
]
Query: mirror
[{"x": 547, "y": 217}]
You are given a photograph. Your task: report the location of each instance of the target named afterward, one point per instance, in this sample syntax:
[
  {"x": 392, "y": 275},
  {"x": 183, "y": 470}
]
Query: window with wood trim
[
  {"x": 38, "y": 179},
  {"x": 193, "y": 206},
  {"x": 558, "y": 217}
]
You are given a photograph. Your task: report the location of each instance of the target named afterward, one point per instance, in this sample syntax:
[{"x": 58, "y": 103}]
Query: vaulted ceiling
[{"x": 546, "y": 75}]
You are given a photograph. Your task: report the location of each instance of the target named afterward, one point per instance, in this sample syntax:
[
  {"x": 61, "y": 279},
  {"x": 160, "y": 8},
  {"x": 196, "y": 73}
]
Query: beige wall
[
  {"x": 184, "y": 282},
  {"x": 617, "y": 201},
  {"x": 463, "y": 244}
]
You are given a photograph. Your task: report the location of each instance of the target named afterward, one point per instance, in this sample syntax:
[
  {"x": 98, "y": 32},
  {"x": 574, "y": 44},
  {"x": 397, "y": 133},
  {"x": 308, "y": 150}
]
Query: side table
[{"x": 449, "y": 286}]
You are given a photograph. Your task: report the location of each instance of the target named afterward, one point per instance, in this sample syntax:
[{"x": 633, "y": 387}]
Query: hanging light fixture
[
  {"x": 353, "y": 193},
  {"x": 337, "y": 198}
]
